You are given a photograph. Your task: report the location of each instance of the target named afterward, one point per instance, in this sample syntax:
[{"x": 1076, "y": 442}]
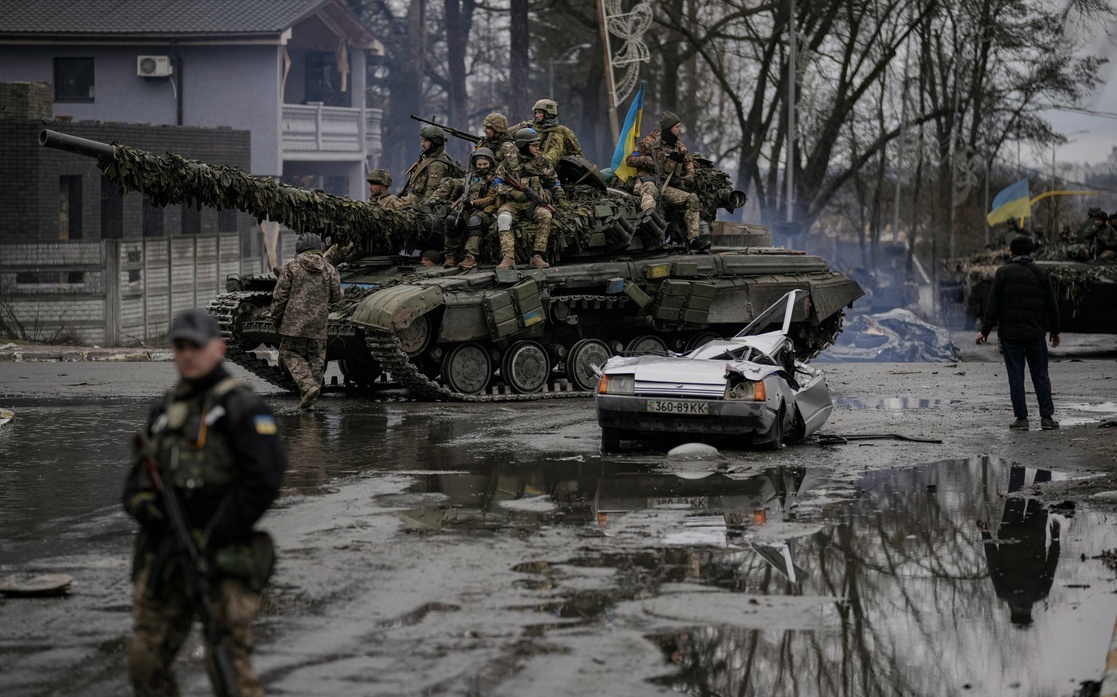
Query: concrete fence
[{"x": 116, "y": 292}]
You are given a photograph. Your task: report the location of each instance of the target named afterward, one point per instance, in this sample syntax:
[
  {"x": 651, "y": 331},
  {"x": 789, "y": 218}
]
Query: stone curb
[{"x": 72, "y": 355}]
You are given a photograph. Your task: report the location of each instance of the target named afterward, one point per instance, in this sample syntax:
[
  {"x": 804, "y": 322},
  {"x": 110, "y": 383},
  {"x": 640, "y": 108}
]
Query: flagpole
[{"x": 609, "y": 84}]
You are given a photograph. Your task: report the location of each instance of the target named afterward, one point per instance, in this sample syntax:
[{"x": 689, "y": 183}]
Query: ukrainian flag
[
  {"x": 627, "y": 143},
  {"x": 1013, "y": 202}
]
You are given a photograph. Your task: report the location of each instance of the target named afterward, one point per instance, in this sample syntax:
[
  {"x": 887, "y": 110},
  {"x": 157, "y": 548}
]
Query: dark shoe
[
  {"x": 309, "y": 398},
  {"x": 537, "y": 262},
  {"x": 1048, "y": 424},
  {"x": 451, "y": 260},
  {"x": 699, "y": 244},
  {"x": 1019, "y": 425},
  {"x": 470, "y": 262},
  {"x": 506, "y": 263}
]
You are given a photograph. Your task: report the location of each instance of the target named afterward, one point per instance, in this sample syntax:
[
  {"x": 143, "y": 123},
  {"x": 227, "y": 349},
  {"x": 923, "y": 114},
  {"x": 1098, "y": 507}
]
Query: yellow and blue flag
[
  {"x": 626, "y": 145},
  {"x": 1014, "y": 202}
]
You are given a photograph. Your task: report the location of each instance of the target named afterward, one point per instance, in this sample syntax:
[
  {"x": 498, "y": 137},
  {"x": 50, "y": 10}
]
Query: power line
[{"x": 1088, "y": 112}]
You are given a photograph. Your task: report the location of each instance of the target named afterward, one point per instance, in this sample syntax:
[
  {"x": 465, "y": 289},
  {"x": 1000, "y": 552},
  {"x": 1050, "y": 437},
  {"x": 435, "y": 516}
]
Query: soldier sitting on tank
[
  {"x": 1086, "y": 248},
  {"x": 497, "y": 138},
  {"x": 379, "y": 183},
  {"x": 1105, "y": 244},
  {"x": 663, "y": 166},
  {"x": 472, "y": 211},
  {"x": 432, "y": 166},
  {"x": 557, "y": 140},
  {"x": 530, "y": 170}
]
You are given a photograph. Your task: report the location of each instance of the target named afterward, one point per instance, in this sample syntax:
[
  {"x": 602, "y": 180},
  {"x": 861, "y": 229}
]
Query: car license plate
[
  {"x": 676, "y": 407},
  {"x": 679, "y": 502}
]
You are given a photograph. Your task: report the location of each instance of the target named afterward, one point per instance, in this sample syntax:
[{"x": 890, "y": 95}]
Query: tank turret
[{"x": 484, "y": 334}]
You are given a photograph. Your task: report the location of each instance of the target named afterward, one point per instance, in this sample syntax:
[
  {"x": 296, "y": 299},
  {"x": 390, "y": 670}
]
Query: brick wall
[{"x": 26, "y": 100}]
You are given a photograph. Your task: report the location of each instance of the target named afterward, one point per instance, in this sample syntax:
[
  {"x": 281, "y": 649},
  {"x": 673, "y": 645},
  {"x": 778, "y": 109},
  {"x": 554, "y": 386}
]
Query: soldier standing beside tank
[
  {"x": 473, "y": 211},
  {"x": 665, "y": 170},
  {"x": 532, "y": 171},
  {"x": 428, "y": 171},
  {"x": 307, "y": 286},
  {"x": 557, "y": 140},
  {"x": 379, "y": 183},
  {"x": 215, "y": 446},
  {"x": 497, "y": 138}
]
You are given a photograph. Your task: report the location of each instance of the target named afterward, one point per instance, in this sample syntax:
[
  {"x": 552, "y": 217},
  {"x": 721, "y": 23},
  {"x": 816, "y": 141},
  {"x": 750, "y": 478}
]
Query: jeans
[{"x": 1034, "y": 351}]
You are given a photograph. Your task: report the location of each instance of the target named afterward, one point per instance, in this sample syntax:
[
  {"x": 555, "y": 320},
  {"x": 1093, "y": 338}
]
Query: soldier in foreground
[
  {"x": 212, "y": 445},
  {"x": 379, "y": 194},
  {"x": 666, "y": 172},
  {"x": 497, "y": 138},
  {"x": 528, "y": 170},
  {"x": 299, "y": 308},
  {"x": 433, "y": 165},
  {"x": 556, "y": 140}
]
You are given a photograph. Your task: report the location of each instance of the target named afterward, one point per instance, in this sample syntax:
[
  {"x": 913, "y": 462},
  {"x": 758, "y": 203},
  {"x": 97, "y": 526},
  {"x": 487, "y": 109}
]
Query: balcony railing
[{"x": 316, "y": 130}]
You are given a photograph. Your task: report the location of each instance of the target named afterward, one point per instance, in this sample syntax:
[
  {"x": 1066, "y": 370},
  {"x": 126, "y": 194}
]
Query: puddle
[
  {"x": 949, "y": 578},
  {"x": 894, "y": 402}
]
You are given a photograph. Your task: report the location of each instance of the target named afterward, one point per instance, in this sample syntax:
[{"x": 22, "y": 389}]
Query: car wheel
[
  {"x": 610, "y": 440},
  {"x": 777, "y": 432}
]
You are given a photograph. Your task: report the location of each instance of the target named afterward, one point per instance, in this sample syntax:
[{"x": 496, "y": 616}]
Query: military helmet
[
  {"x": 549, "y": 107},
  {"x": 433, "y": 133},
  {"x": 1101, "y": 215},
  {"x": 525, "y": 137},
  {"x": 497, "y": 122},
  {"x": 308, "y": 241},
  {"x": 482, "y": 152},
  {"x": 379, "y": 176}
]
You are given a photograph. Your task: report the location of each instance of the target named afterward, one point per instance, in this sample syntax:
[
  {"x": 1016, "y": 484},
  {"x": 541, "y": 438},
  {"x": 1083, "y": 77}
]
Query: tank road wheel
[
  {"x": 526, "y": 367},
  {"x": 415, "y": 337},
  {"x": 646, "y": 344},
  {"x": 363, "y": 373},
  {"x": 584, "y": 356},
  {"x": 467, "y": 368},
  {"x": 701, "y": 340}
]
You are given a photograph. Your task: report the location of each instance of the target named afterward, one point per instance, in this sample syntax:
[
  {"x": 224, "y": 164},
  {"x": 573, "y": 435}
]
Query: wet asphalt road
[{"x": 491, "y": 550}]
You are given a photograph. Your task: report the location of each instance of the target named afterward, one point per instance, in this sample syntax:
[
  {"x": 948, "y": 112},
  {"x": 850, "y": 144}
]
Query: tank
[
  {"x": 489, "y": 335},
  {"x": 1086, "y": 290}
]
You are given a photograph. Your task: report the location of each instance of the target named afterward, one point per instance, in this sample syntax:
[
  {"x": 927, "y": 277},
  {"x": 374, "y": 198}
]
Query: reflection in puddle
[
  {"x": 893, "y": 402},
  {"x": 917, "y": 581}
]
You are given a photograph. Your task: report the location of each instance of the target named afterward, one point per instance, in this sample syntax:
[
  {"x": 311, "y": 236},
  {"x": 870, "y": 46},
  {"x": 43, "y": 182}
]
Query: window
[
  {"x": 73, "y": 79},
  {"x": 227, "y": 220},
  {"x": 69, "y": 208},
  {"x": 152, "y": 219},
  {"x": 191, "y": 220},
  {"x": 323, "y": 80},
  {"x": 112, "y": 211}
]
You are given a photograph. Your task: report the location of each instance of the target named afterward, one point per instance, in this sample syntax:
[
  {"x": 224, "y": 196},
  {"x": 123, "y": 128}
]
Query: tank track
[
  {"x": 225, "y": 308},
  {"x": 385, "y": 349}
]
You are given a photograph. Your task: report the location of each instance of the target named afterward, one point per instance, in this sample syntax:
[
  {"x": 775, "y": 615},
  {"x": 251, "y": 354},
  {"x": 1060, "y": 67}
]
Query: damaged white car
[{"x": 750, "y": 387}]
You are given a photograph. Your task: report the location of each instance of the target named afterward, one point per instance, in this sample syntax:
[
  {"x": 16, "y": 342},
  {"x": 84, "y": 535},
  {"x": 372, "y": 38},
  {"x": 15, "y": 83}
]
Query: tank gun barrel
[
  {"x": 732, "y": 200},
  {"x": 171, "y": 179},
  {"x": 76, "y": 145}
]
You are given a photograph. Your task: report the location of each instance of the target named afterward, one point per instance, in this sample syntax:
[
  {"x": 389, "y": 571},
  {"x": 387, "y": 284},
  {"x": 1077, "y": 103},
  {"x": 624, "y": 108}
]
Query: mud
[{"x": 465, "y": 550}]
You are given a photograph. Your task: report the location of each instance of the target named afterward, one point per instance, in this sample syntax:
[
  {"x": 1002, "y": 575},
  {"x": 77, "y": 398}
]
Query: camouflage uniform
[
  {"x": 673, "y": 164},
  {"x": 556, "y": 140},
  {"x": 502, "y": 145},
  {"x": 227, "y": 473},
  {"x": 424, "y": 176},
  {"x": 300, "y": 307},
  {"x": 381, "y": 177},
  {"x": 537, "y": 174},
  {"x": 466, "y": 225},
  {"x": 1089, "y": 238}
]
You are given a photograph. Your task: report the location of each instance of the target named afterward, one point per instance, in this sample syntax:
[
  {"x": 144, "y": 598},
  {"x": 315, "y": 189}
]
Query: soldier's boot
[
  {"x": 451, "y": 260},
  {"x": 507, "y": 250},
  {"x": 537, "y": 261},
  {"x": 695, "y": 240},
  {"x": 309, "y": 398},
  {"x": 470, "y": 262}
]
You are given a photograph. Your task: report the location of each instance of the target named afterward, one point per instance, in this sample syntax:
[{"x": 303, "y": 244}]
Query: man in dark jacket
[
  {"x": 306, "y": 287},
  {"x": 214, "y": 444},
  {"x": 1022, "y": 301}
]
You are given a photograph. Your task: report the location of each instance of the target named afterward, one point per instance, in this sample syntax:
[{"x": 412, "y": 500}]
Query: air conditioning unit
[{"x": 153, "y": 66}]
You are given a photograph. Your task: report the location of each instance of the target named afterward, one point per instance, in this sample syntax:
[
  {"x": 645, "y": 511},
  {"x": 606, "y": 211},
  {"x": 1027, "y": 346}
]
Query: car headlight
[
  {"x": 617, "y": 384},
  {"x": 747, "y": 389}
]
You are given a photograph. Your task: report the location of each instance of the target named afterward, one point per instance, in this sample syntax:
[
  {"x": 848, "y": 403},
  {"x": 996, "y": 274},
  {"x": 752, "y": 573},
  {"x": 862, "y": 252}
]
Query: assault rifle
[
  {"x": 196, "y": 570},
  {"x": 540, "y": 201},
  {"x": 452, "y": 131}
]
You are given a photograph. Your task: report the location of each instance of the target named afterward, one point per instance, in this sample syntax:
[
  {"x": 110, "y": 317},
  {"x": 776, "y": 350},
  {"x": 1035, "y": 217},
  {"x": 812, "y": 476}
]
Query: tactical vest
[{"x": 188, "y": 457}]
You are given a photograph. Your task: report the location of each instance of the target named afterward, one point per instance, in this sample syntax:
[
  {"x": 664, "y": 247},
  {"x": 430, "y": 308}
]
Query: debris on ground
[{"x": 894, "y": 336}]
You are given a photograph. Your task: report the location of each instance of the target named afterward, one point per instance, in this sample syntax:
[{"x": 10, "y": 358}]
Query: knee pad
[
  {"x": 504, "y": 221},
  {"x": 473, "y": 227}
]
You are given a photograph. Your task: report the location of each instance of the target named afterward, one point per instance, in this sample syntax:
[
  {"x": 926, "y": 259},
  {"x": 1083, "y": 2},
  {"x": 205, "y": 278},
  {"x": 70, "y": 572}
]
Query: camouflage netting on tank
[
  {"x": 711, "y": 185},
  {"x": 171, "y": 179}
]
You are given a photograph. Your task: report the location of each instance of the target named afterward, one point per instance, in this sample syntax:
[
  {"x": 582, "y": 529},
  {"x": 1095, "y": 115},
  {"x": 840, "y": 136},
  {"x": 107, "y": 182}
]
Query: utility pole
[
  {"x": 610, "y": 86},
  {"x": 790, "y": 112}
]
